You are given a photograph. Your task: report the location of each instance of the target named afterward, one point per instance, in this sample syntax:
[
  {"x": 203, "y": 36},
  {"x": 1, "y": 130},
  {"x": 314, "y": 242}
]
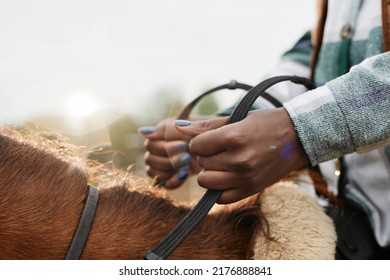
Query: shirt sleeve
[{"x": 348, "y": 114}]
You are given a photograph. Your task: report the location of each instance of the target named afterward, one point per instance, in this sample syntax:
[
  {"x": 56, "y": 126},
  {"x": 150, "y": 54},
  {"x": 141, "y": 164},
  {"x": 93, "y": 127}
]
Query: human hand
[
  {"x": 245, "y": 157},
  {"x": 167, "y": 156}
]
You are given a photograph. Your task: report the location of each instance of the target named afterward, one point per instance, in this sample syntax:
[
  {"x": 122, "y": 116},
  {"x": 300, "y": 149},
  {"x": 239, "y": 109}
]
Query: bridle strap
[
  {"x": 232, "y": 86},
  {"x": 83, "y": 228},
  {"x": 196, "y": 215}
]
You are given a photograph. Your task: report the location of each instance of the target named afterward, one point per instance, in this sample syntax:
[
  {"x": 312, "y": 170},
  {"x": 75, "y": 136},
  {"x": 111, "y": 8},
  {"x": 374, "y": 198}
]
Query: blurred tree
[{"x": 124, "y": 147}]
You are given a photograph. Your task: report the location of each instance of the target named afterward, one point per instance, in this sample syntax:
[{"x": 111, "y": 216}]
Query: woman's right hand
[{"x": 167, "y": 156}]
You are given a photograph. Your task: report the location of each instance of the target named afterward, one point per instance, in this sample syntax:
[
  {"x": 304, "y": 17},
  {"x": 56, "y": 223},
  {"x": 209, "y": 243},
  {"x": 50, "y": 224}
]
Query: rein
[
  {"x": 171, "y": 241},
  {"x": 181, "y": 231},
  {"x": 84, "y": 226},
  {"x": 232, "y": 86}
]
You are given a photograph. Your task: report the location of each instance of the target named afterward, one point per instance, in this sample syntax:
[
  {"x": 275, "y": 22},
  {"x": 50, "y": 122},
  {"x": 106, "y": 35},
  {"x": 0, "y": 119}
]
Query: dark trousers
[{"x": 356, "y": 240}]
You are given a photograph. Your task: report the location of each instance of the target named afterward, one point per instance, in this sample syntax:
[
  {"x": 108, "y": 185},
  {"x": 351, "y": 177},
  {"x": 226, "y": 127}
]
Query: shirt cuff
[{"x": 320, "y": 125}]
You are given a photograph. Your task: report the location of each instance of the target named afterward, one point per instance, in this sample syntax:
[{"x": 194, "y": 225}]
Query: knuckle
[
  {"x": 146, "y": 143},
  {"x": 149, "y": 144},
  {"x": 148, "y": 159},
  {"x": 172, "y": 184},
  {"x": 193, "y": 147},
  {"x": 150, "y": 172},
  {"x": 158, "y": 175},
  {"x": 201, "y": 162},
  {"x": 161, "y": 125},
  {"x": 243, "y": 162},
  {"x": 204, "y": 125},
  {"x": 235, "y": 139},
  {"x": 202, "y": 180}
]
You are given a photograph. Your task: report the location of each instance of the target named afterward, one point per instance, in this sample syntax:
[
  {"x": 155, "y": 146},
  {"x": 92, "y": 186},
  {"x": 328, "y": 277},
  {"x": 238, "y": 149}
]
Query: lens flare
[{"x": 81, "y": 105}]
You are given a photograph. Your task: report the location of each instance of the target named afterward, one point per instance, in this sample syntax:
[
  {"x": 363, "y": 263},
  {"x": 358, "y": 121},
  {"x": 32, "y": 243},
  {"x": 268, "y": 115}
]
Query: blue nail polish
[
  {"x": 185, "y": 168},
  {"x": 184, "y": 159},
  {"x": 182, "y": 123},
  {"x": 181, "y": 148},
  {"x": 182, "y": 176},
  {"x": 146, "y": 130}
]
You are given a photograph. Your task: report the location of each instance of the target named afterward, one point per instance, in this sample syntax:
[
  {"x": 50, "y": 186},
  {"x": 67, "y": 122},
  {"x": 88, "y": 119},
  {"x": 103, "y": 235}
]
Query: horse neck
[
  {"x": 41, "y": 198},
  {"x": 128, "y": 224}
]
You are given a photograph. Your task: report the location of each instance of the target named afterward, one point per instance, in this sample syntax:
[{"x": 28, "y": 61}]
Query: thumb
[{"x": 194, "y": 128}]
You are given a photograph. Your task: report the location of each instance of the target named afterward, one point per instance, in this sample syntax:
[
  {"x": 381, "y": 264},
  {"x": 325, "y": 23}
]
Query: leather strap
[
  {"x": 232, "y": 85},
  {"x": 83, "y": 228},
  {"x": 318, "y": 34},
  {"x": 386, "y": 24}
]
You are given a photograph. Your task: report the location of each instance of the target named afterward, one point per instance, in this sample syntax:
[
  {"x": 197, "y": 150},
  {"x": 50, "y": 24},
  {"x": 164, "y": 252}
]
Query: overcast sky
[{"x": 122, "y": 52}]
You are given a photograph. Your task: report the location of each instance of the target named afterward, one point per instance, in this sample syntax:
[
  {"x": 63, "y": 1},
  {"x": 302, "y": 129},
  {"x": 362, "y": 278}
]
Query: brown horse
[{"x": 43, "y": 188}]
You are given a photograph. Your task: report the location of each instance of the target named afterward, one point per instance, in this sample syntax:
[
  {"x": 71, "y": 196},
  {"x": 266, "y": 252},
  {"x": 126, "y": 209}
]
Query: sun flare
[{"x": 81, "y": 105}]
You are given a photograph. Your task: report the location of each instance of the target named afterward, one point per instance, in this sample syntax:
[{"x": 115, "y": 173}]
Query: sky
[{"x": 77, "y": 56}]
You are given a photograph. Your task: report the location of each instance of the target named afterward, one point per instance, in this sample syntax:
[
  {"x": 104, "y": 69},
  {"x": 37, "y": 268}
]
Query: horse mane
[{"x": 53, "y": 151}]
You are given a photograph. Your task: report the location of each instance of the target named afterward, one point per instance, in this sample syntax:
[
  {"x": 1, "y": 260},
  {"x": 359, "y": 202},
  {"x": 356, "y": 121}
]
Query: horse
[{"x": 43, "y": 189}]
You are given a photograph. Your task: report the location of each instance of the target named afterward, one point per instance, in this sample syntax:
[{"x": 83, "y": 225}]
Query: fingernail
[
  {"x": 185, "y": 159},
  {"x": 185, "y": 168},
  {"x": 145, "y": 130},
  {"x": 182, "y": 176},
  {"x": 182, "y": 123},
  {"x": 181, "y": 148}
]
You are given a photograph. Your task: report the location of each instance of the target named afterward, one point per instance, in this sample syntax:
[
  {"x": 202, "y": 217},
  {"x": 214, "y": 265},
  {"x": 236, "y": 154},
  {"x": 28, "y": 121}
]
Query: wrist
[{"x": 291, "y": 139}]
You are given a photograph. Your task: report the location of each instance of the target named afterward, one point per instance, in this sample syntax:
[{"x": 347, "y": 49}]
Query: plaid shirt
[{"x": 350, "y": 112}]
